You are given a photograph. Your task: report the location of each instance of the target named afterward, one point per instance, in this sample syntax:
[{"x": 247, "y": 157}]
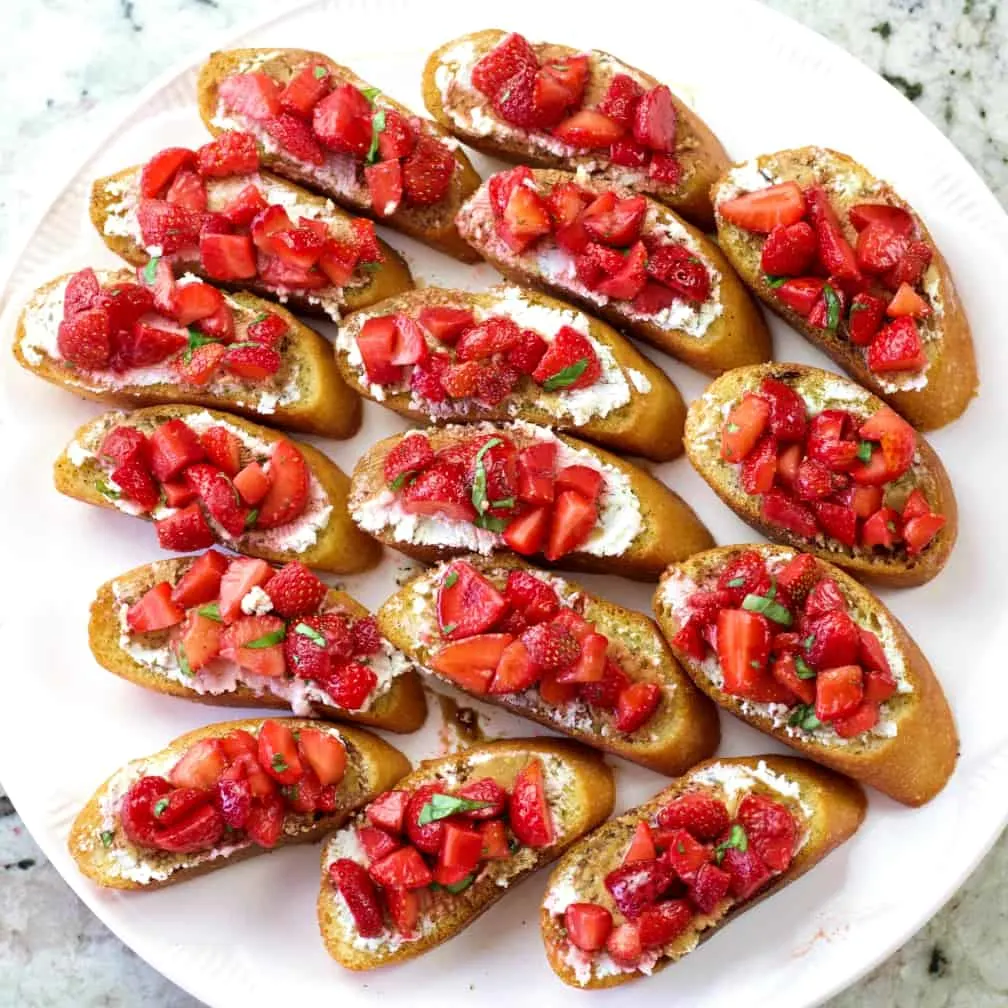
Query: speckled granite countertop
[{"x": 950, "y": 57}]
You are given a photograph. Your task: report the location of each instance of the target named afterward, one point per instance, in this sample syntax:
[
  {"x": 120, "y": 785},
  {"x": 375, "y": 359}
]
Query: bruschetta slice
[
  {"x": 619, "y": 255},
  {"x": 798, "y": 649},
  {"x": 236, "y": 632},
  {"x": 213, "y": 213},
  {"x": 481, "y": 488},
  {"x": 422, "y": 862},
  {"x": 112, "y": 336},
  {"x": 544, "y": 648},
  {"x": 843, "y": 258},
  {"x": 203, "y": 477},
  {"x": 319, "y": 124},
  {"x": 224, "y": 793},
  {"x": 814, "y": 461},
  {"x": 510, "y": 353},
  {"x": 551, "y": 106},
  {"x": 649, "y": 886}
]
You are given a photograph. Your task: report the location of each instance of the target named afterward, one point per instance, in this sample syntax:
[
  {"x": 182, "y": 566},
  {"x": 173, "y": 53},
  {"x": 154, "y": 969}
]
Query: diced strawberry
[
  {"x": 502, "y": 63},
  {"x": 635, "y": 706},
  {"x": 709, "y": 887},
  {"x": 296, "y": 137},
  {"x": 445, "y": 323},
  {"x": 789, "y": 250},
  {"x": 157, "y": 174},
  {"x": 681, "y": 271},
  {"x": 837, "y": 521},
  {"x": 173, "y": 446},
  {"x": 915, "y": 505},
  {"x": 865, "y": 318},
  {"x": 288, "y": 492},
  {"x": 231, "y": 153},
  {"x": 237, "y": 581},
  {"x": 254, "y": 95},
  {"x": 195, "y": 302},
  {"x": 770, "y": 829},
  {"x": 910, "y": 269},
  {"x": 570, "y": 362},
  {"x": 155, "y": 610},
  {"x": 201, "y": 637},
  {"x": 665, "y": 169},
  {"x": 85, "y": 338},
  {"x": 620, "y": 100},
  {"x": 635, "y": 887},
  {"x": 895, "y": 218},
  {"x": 743, "y": 648},
  {"x": 376, "y": 842},
  {"x": 201, "y": 582},
  {"x": 385, "y": 185},
  {"x": 376, "y": 342},
  {"x": 223, "y": 449},
  {"x": 168, "y": 225},
  {"x": 187, "y": 191},
  {"x": 828, "y": 310},
  {"x": 662, "y": 924},
  {"x": 801, "y": 295},
  {"x": 467, "y": 603},
  {"x": 897, "y": 347},
  {"x": 574, "y": 517},
  {"x": 536, "y": 473},
  {"x": 495, "y": 334},
  {"x": 628, "y": 153},
  {"x": 404, "y": 869},
  {"x": 747, "y": 872},
  {"x": 703, "y": 815},
  {"x": 590, "y": 129},
  {"x": 342, "y": 121},
  {"x": 184, "y": 531},
  {"x": 388, "y": 809},
  {"x": 834, "y": 250},
  {"x": 295, "y": 591},
  {"x": 245, "y": 206},
  {"x": 470, "y": 663},
  {"x": 527, "y": 534},
  {"x": 588, "y": 925},
  {"x": 151, "y": 344},
  {"x": 461, "y": 848},
  {"x": 880, "y": 247},
  {"x": 764, "y": 209},
  {"x": 655, "y": 119},
  {"x": 613, "y": 221},
  {"x": 881, "y": 529},
  {"x": 551, "y": 647},
  {"x": 907, "y": 301},
  {"x": 788, "y": 415},
  {"x": 862, "y": 719},
  {"x": 360, "y": 895},
  {"x": 82, "y": 292},
  {"x": 255, "y": 363},
  {"x": 744, "y": 426},
  {"x": 264, "y": 659},
  {"x": 252, "y": 483},
  {"x": 227, "y": 257},
  {"x": 760, "y": 467},
  {"x": 653, "y": 299},
  {"x": 824, "y": 597},
  {"x": 427, "y": 172},
  {"x": 306, "y": 89},
  {"x": 529, "y": 810},
  {"x": 439, "y": 490},
  {"x": 531, "y": 596},
  {"x": 410, "y": 456},
  {"x": 918, "y": 532},
  {"x": 642, "y": 847},
  {"x": 834, "y": 640},
  {"x": 525, "y": 218},
  {"x": 779, "y": 509},
  {"x": 839, "y": 692},
  {"x": 199, "y": 366},
  {"x": 624, "y": 945},
  {"x": 744, "y": 575},
  {"x": 630, "y": 279}
]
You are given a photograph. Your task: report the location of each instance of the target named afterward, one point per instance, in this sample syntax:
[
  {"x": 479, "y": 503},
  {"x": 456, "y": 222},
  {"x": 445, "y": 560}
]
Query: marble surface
[{"x": 950, "y": 57}]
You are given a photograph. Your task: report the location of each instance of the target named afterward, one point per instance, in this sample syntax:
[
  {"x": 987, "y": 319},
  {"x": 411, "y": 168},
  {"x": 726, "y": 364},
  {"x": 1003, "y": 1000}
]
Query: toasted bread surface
[
  {"x": 699, "y": 153},
  {"x": 684, "y": 728},
  {"x": 830, "y": 808},
  {"x": 339, "y": 546},
  {"x": 914, "y": 762},
  {"x": 669, "y": 527},
  {"x": 821, "y": 390},
  {"x": 581, "y": 794},
  {"x": 649, "y": 423},
  {"x": 392, "y": 276},
  {"x": 433, "y": 225},
  {"x": 951, "y": 376},
  {"x": 733, "y": 331},
  {"x": 322, "y": 403},
  {"x": 402, "y": 707},
  {"x": 104, "y": 854}
]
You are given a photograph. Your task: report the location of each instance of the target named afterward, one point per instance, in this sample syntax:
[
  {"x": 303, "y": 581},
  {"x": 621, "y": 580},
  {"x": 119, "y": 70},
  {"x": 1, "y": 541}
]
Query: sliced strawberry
[
  {"x": 342, "y": 121},
  {"x": 529, "y": 810},
  {"x": 385, "y": 185},
  {"x": 681, "y": 271},
  {"x": 897, "y": 347},
  {"x": 789, "y": 250},
  {"x": 744, "y": 426},
  {"x": 306, "y": 89},
  {"x": 636, "y": 705},
  {"x": 467, "y": 603},
  {"x": 471, "y": 662},
  {"x": 158, "y": 173},
  {"x": 427, "y": 172},
  {"x": 655, "y": 119},
  {"x": 834, "y": 250},
  {"x": 764, "y": 209},
  {"x": 569, "y": 363},
  {"x": 527, "y": 534},
  {"x": 574, "y": 517},
  {"x": 85, "y": 338},
  {"x": 590, "y": 129},
  {"x": 288, "y": 492},
  {"x": 359, "y": 893}
]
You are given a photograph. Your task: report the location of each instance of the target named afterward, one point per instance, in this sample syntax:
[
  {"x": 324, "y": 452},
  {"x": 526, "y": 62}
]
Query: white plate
[{"x": 247, "y": 935}]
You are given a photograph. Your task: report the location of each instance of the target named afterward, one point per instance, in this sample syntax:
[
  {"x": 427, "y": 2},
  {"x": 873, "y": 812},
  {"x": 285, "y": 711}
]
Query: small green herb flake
[
  {"x": 449, "y": 628},
  {"x": 369, "y": 267},
  {"x": 184, "y": 667},
  {"x": 311, "y": 633},
  {"x": 451, "y": 579},
  {"x": 733, "y": 428},
  {"x": 251, "y": 518},
  {"x": 197, "y": 339},
  {"x": 159, "y": 807},
  {"x": 278, "y": 763},
  {"x": 566, "y": 377},
  {"x": 211, "y": 611},
  {"x": 107, "y": 836},
  {"x": 261, "y": 317},
  {"x": 479, "y": 487},
  {"x": 318, "y": 72},
  {"x": 803, "y": 716},
  {"x": 461, "y": 885},
  {"x": 267, "y": 640},
  {"x": 736, "y": 582},
  {"x": 802, "y": 669},
  {"x": 775, "y": 281},
  {"x": 440, "y": 806},
  {"x": 832, "y": 307},
  {"x": 506, "y": 503},
  {"x": 377, "y": 125},
  {"x": 107, "y": 490},
  {"x": 737, "y": 839},
  {"x": 491, "y": 523},
  {"x": 370, "y": 93},
  {"x": 756, "y": 664},
  {"x": 150, "y": 270},
  {"x": 767, "y": 607},
  {"x": 400, "y": 481},
  {"x": 864, "y": 450},
  {"x": 808, "y": 642}
]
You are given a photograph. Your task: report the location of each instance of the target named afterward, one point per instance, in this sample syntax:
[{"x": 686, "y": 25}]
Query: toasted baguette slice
[
  {"x": 633, "y": 408},
  {"x": 927, "y": 400},
  {"x": 580, "y": 792},
  {"x": 683, "y": 730},
  {"x": 397, "y": 703},
  {"x": 306, "y": 394},
  {"x": 909, "y": 755},
  {"x": 455, "y": 103},
  {"x": 726, "y": 331},
  {"x": 105, "y": 854},
  {"x": 822, "y": 390},
  {"x": 648, "y": 524},
  {"x": 828, "y": 807},
  {"x": 434, "y": 225},
  {"x": 331, "y": 542},
  {"x": 113, "y": 213}
]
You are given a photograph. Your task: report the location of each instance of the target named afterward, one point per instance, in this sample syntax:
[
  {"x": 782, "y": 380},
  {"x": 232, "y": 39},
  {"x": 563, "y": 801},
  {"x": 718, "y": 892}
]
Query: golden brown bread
[
  {"x": 392, "y": 276},
  {"x": 703, "y": 438},
  {"x": 650, "y": 423},
  {"x": 583, "y": 796},
  {"x": 951, "y": 373},
  {"x": 432, "y": 225},
  {"x": 685, "y": 727},
  {"x": 401, "y": 708},
  {"x": 698, "y": 151},
  {"x": 670, "y": 530},
  {"x": 106, "y": 856},
  {"x": 339, "y": 546},
  {"x": 324, "y": 405},
  {"x": 836, "y": 809},
  {"x": 913, "y": 764},
  {"x": 737, "y": 335}
]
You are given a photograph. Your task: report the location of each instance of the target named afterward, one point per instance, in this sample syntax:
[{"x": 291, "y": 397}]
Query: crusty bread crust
[
  {"x": 434, "y": 225},
  {"x": 392, "y": 276},
  {"x": 401, "y": 708},
  {"x": 340, "y": 548},
  {"x": 588, "y": 801},
  {"x": 373, "y": 766},
  {"x": 650, "y": 424},
  {"x": 913, "y": 765},
  {"x": 671, "y": 530},
  {"x": 325, "y": 406},
  {"x": 898, "y": 570},
  {"x": 684, "y": 730},
  {"x": 739, "y": 335},
  {"x": 699, "y": 152},
  {"x": 838, "y": 809},
  {"x": 952, "y": 374}
]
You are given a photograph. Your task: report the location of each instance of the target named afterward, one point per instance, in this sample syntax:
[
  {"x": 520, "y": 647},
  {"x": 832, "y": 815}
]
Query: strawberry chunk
[
  {"x": 589, "y": 129},
  {"x": 865, "y": 318},
  {"x": 223, "y": 449},
  {"x": 770, "y": 829},
  {"x": 620, "y": 100},
  {"x": 655, "y": 119},
  {"x": 295, "y": 591},
  {"x": 635, "y": 887},
  {"x": 681, "y": 271},
  {"x": 173, "y": 446},
  {"x": 385, "y": 184},
  {"x": 227, "y": 257},
  {"x": 288, "y": 492},
  {"x": 529, "y": 811},
  {"x": 201, "y": 582},
  {"x": 170, "y": 226},
  {"x": 253, "y": 95},
  {"x": 467, "y": 603},
  {"x": 255, "y": 363},
  {"x": 747, "y": 872},
  {"x": 897, "y": 347},
  {"x": 512, "y": 55},
  {"x": 342, "y": 121},
  {"x": 427, "y": 172},
  {"x": 232, "y": 153},
  {"x": 703, "y": 815},
  {"x": 613, "y": 221},
  {"x": 155, "y": 610},
  {"x": 636, "y": 705},
  {"x": 306, "y": 89},
  {"x": 588, "y": 925},
  {"x": 574, "y": 517},
  {"x": 764, "y": 209},
  {"x": 569, "y": 363},
  {"x": 744, "y": 426},
  {"x": 709, "y": 887},
  {"x": 84, "y": 339},
  {"x": 835, "y": 251},
  {"x": 801, "y": 295},
  {"x": 839, "y": 692},
  {"x": 525, "y": 218},
  {"x": 184, "y": 531},
  {"x": 439, "y": 490},
  {"x": 410, "y": 456},
  {"x": 789, "y": 250},
  {"x": 159, "y": 172},
  {"x": 359, "y": 893},
  {"x": 664, "y": 923}
]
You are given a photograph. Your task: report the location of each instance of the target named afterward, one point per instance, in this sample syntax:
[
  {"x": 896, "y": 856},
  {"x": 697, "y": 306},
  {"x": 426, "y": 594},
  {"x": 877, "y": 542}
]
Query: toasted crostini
[
  {"x": 510, "y": 353},
  {"x": 844, "y": 259},
  {"x": 800, "y": 650},
  {"x": 422, "y": 862},
  {"x": 225, "y": 793},
  {"x": 321, "y": 125},
  {"x": 203, "y": 477}
]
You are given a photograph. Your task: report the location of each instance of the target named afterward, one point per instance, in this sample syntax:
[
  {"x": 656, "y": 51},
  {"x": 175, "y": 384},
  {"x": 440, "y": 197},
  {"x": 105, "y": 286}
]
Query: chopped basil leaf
[
  {"x": 159, "y": 807},
  {"x": 278, "y": 763},
  {"x": 461, "y": 885},
  {"x": 736, "y": 582},
  {"x": 772, "y": 610},
  {"x": 377, "y": 125},
  {"x": 733, "y": 428},
  {"x": 832, "y": 307},
  {"x": 804, "y": 717},
  {"x": 107, "y": 490},
  {"x": 184, "y": 667},
  {"x": 490, "y": 523},
  {"x": 808, "y": 642},
  {"x": 211, "y": 611},
  {"x": 479, "y": 487},
  {"x": 448, "y": 628},
  {"x": 150, "y": 270},
  {"x": 440, "y": 806},
  {"x": 370, "y": 267},
  {"x": 775, "y": 281},
  {"x": 107, "y": 836},
  {"x": 261, "y": 317},
  {"x": 566, "y": 377},
  {"x": 891, "y": 525},
  {"x": 450, "y": 579},
  {"x": 319, "y": 72},
  {"x": 507, "y": 502},
  {"x": 370, "y": 93},
  {"x": 802, "y": 669},
  {"x": 251, "y": 518},
  {"x": 197, "y": 339},
  {"x": 864, "y": 450},
  {"x": 756, "y": 663},
  {"x": 400, "y": 481},
  {"x": 311, "y": 633},
  {"x": 267, "y": 640},
  {"x": 681, "y": 847},
  {"x": 737, "y": 839}
]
